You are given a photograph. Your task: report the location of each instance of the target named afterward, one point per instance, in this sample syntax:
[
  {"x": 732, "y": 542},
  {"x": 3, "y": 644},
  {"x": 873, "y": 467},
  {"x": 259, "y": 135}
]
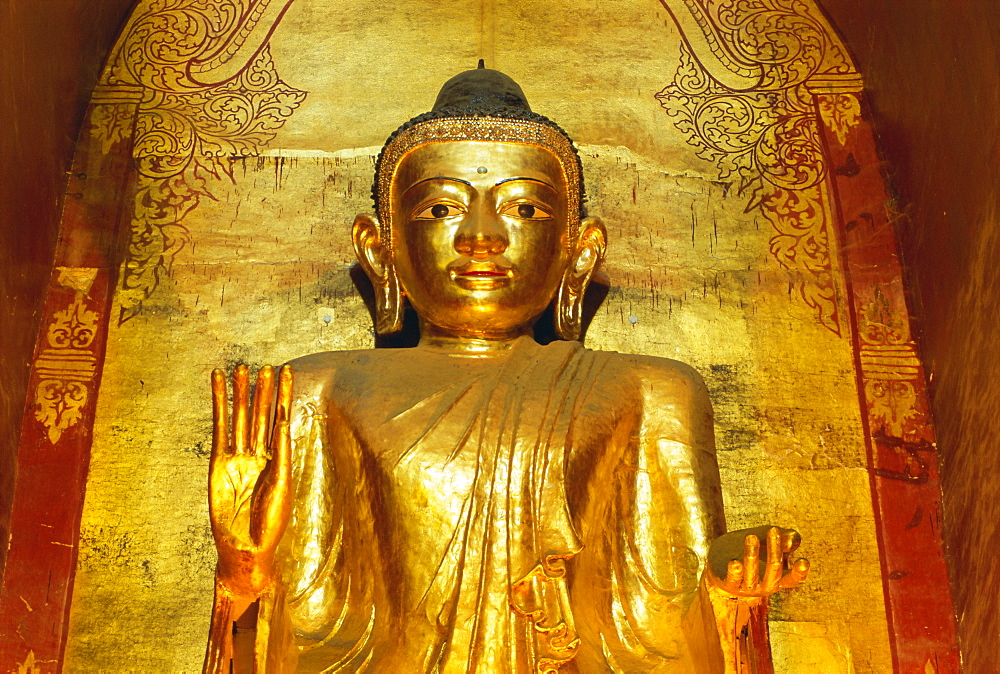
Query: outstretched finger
[
  {"x": 272, "y": 516},
  {"x": 775, "y": 560},
  {"x": 261, "y": 414},
  {"x": 796, "y": 575},
  {"x": 734, "y": 576},
  {"x": 281, "y": 441},
  {"x": 282, "y": 437},
  {"x": 220, "y": 414},
  {"x": 790, "y": 541},
  {"x": 241, "y": 412},
  {"x": 751, "y": 560}
]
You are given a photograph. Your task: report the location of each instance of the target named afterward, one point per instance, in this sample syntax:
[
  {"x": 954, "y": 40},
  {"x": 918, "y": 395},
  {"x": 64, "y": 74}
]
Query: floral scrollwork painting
[
  {"x": 743, "y": 97},
  {"x": 210, "y": 92}
]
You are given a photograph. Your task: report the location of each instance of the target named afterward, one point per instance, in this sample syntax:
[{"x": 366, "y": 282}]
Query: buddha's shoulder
[
  {"x": 655, "y": 376},
  {"x": 324, "y": 366},
  {"x": 326, "y": 360}
]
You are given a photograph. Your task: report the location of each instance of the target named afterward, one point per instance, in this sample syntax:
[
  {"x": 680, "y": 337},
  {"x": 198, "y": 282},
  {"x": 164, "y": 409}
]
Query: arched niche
[{"x": 228, "y": 147}]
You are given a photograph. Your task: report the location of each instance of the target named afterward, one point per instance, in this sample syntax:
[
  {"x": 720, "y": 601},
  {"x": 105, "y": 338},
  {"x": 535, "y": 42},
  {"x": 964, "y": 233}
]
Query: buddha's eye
[
  {"x": 526, "y": 211},
  {"x": 439, "y": 211}
]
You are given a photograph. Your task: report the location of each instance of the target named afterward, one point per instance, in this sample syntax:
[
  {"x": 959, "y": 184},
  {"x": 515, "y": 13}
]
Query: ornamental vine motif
[
  {"x": 209, "y": 92},
  {"x": 766, "y": 137},
  {"x": 67, "y": 365},
  {"x": 74, "y": 327},
  {"x": 890, "y": 367},
  {"x": 60, "y": 405},
  {"x": 840, "y": 113},
  {"x": 788, "y": 41}
]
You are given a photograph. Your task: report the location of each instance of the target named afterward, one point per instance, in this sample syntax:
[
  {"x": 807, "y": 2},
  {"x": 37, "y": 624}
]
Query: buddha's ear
[
  {"x": 586, "y": 258},
  {"x": 376, "y": 261},
  {"x": 372, "y": 254}
]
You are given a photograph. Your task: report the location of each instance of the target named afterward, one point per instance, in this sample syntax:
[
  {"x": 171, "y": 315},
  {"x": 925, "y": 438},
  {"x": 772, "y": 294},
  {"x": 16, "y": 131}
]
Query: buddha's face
[{"x": 479, "y": 234}]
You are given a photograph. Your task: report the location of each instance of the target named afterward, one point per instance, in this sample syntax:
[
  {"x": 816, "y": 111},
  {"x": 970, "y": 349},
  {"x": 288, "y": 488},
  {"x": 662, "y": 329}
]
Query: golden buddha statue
[{"x": 480, "y": 502}]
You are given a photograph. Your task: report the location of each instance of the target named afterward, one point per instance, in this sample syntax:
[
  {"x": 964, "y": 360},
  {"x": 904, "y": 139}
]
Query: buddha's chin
[
  {"x": 479, "y": 321},
  {"x": 480, "y": 305}
]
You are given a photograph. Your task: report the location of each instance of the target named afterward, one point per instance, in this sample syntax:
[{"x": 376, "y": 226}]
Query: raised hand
[
  {"x": 741, "y": 576},
  {"x": 249, "y": 478}
]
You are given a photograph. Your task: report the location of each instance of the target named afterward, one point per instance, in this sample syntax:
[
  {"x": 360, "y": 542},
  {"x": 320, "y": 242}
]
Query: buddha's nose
[{"x": 481, "y": 235}]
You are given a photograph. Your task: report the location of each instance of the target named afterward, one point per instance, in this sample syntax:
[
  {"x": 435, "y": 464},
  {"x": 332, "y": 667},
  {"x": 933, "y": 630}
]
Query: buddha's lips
[
  {"x": 481, "y": 275},
  {"x": 480, "y": 270}
]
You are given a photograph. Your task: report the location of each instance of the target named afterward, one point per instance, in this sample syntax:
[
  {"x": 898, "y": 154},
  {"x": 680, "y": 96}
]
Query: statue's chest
[
  {"x": 447, "y": 425},
  {"x": 458, "y": 454},
  {"x": 453, "y": 415}
]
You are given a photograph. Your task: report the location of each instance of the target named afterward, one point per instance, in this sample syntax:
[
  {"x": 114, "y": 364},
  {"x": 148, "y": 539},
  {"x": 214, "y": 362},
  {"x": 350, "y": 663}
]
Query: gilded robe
[{"x": 548, "y": 508}]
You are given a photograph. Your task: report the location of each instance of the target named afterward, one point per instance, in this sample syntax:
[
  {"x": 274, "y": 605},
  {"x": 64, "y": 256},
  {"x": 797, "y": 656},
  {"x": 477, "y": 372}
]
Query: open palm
[{"x": 249, "y": 476}]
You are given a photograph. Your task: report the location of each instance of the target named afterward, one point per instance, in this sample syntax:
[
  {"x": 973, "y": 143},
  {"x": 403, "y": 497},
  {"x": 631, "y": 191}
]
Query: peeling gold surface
[{"x": 266, "y": 279}]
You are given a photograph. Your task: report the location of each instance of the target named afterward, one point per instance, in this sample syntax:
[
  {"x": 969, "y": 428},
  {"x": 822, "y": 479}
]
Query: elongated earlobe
[
  {"x": 587, "y": 257},
  {"x": 376, "y": 261}
]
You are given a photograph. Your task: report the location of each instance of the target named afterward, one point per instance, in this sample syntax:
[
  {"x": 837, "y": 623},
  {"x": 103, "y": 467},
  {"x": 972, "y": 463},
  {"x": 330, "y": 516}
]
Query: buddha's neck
[{"x": 440, "y": 339}]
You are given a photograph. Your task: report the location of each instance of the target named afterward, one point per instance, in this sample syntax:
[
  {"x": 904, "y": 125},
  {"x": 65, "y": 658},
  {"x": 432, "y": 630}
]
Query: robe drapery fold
[{"x": 434, "y": 528}]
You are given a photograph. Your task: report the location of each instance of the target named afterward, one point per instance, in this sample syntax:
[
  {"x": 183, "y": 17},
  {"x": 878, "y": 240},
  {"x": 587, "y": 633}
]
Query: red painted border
[
  {"x": 51, "y": 476},
  {"x": 903, "y": 466}
]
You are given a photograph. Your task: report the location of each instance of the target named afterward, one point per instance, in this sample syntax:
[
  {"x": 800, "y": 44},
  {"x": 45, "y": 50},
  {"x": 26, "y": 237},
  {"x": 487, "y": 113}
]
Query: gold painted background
[{"x": 235, "y": 257}]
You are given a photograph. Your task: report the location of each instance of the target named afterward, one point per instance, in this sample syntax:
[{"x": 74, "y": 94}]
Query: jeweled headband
[{"x": 479, "y": 105}]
